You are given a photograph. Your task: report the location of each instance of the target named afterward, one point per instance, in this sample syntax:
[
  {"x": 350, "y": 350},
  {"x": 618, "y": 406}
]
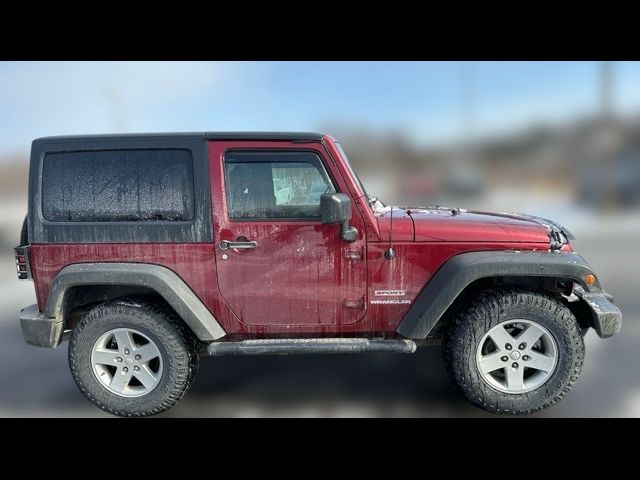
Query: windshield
[
  {"x": 373, "y": 201},
  {"x": 351, "y": 171}
]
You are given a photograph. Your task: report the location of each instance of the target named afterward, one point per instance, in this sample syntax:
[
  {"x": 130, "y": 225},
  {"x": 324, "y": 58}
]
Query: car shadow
[{"x": 374, "y": 384}]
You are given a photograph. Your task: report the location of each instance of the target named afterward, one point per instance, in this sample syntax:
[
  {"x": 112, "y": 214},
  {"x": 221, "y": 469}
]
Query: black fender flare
[
  {"x": 460, "y": 270},
  {"x": 160, "y": 279}
]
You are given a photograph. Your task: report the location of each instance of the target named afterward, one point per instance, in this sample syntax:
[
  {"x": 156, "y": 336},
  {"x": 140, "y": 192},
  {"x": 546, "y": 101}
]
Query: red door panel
[{"x": 300, "y": 273}]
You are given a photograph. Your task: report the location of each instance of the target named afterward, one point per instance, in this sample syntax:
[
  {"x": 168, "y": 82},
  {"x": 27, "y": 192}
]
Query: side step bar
[{"x": 290, "y": 346}]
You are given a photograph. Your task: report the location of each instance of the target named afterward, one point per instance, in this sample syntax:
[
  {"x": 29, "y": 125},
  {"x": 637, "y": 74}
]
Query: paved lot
[{"x": 36, "y": 382}]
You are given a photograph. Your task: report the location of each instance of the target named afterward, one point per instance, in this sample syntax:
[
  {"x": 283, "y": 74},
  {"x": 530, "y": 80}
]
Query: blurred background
[{"x": 555, "y": 139}]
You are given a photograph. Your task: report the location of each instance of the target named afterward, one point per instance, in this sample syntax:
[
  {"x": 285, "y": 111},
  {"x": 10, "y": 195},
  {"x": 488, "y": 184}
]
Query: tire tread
[
  {"x": 477, "y": 316},
  {"x": 179, "y": 340}
]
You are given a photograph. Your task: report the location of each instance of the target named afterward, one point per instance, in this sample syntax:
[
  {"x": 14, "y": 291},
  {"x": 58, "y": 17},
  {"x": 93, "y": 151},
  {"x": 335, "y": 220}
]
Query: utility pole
[
  {"x": 467, "y": 106},
  {"x": 605, "y": 86},
  {"x": 609, "y": 138},
  {"x": 465, "y": 173}
]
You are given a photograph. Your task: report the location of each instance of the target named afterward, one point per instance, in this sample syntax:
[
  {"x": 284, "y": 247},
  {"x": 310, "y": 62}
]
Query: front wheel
[
  {"x": 132, "y": 358},
  {"x": 514, "y": 351}
]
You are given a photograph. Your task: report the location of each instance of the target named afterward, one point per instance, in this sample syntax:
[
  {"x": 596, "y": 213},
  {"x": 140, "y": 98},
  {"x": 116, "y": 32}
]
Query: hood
[{"x": 457, "y": 225}]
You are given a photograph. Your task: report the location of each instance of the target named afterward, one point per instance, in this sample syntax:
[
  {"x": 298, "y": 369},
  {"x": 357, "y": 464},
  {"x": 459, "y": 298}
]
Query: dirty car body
[{"x": 194, "y": 222}]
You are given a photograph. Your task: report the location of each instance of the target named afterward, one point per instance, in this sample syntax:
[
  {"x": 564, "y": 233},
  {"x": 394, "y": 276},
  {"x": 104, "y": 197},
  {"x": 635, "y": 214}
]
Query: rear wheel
[
  {"x": 514, "y": 351},
  {"x": 132, "y": 358}
]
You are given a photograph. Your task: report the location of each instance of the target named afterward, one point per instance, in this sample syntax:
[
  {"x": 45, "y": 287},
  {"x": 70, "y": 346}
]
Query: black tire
[
  {"x": 492, "y": 308},
  {"x": 177, "y": 346}
]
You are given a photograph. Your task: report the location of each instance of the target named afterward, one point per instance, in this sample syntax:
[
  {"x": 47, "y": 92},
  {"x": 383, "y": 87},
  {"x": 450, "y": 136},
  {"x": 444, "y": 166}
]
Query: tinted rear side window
[{"x": 118, "y": 186}]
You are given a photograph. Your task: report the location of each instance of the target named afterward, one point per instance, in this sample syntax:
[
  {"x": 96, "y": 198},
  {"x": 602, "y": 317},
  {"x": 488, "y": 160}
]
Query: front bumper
[
  {"x": 607, "y": 318},
  {"x": 38, "y": 329}
]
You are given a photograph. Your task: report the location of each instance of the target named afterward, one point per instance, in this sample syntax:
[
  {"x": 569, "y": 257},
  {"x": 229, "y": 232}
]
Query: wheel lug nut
[
  {"x": 137, "y": 357},
  {"x": 514, "y": 364},
  {"x": 118, "y": 359},
  {"x": 508, "y": 346},
  {"x": 126, "y": 351},
  {"x": 125, "y": 369},
  {"x": 136, "y": 368},
  {"x": 525, "y": 357},
  {"x": 504, "y": 359},
  {"x": 521, "y": 346}
]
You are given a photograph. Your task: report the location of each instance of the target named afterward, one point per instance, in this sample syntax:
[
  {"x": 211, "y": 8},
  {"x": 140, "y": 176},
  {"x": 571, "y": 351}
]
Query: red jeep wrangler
[{"x": 147, "y": 251}]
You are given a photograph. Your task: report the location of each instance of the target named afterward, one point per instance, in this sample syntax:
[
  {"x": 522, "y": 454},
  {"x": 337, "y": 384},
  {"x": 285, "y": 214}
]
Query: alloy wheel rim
[
  {"x": 126, "y": 362},
  {"x": 517, "y": 356}
]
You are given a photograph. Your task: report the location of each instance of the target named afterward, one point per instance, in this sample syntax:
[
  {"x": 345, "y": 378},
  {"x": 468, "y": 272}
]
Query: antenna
[{"x": 390, "y": 253}]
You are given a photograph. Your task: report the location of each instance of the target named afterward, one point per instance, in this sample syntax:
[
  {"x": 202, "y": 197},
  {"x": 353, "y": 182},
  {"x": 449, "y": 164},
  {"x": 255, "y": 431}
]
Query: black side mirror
[{"x": 335, "y": 208}]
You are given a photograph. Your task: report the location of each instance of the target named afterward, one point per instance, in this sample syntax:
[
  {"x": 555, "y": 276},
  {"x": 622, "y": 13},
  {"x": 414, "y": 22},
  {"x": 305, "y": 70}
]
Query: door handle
[{"x": 226, "y": 244}]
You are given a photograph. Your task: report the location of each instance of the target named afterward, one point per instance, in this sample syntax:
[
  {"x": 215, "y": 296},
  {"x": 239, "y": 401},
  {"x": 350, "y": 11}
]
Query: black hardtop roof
[{"x": 285, "y": 136}]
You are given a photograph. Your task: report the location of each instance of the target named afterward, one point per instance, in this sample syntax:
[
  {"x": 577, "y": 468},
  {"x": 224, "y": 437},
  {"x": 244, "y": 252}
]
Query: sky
[{"x": 428, "y": 102}]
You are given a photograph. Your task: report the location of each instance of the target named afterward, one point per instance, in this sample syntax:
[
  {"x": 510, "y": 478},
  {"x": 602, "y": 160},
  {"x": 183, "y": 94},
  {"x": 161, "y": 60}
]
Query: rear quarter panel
[{"x": 193, "y": 262}]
